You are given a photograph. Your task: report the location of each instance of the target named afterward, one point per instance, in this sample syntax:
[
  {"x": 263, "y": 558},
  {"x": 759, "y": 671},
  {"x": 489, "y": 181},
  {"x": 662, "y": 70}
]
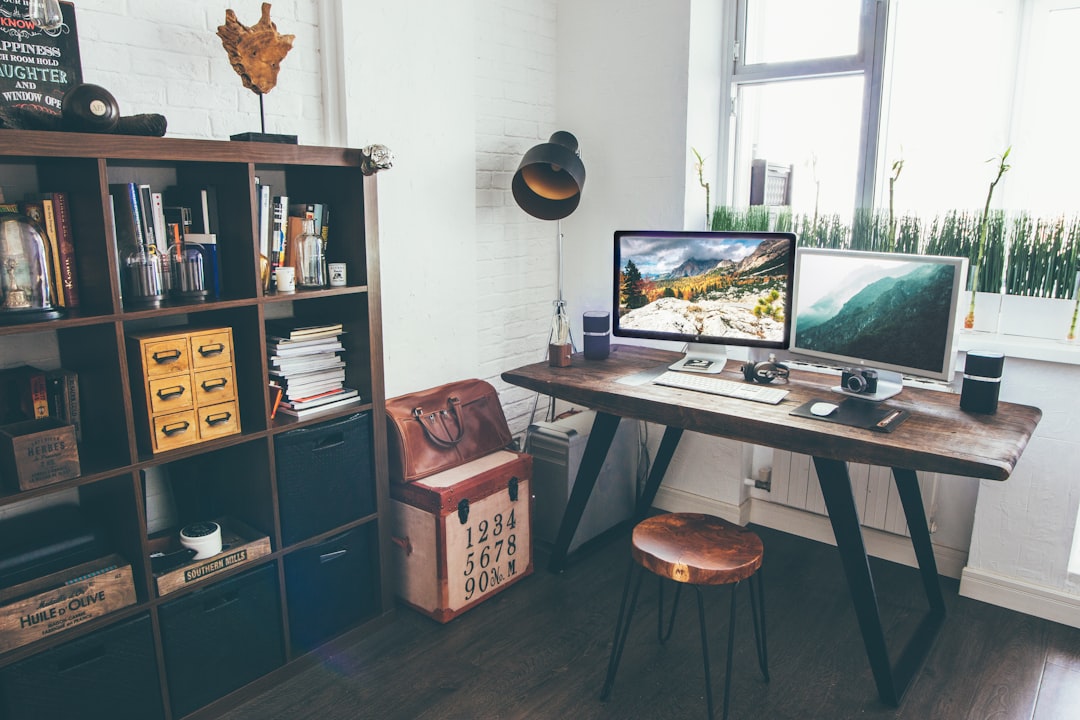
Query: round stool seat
[{"x": 696, "y": 549}]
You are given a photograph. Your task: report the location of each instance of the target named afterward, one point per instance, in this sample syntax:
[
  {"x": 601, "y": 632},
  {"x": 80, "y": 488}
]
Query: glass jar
[
  {"x": 26, "y": 289},
  {"x": 309, "y": 258},
  {"x": 142, "y": 275},
  {"x": 188, "y": 278}
]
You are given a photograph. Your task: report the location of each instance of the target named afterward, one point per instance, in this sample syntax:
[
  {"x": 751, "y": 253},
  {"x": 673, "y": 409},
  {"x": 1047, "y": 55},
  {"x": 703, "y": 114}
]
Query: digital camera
[{"x": 858, "y": 380}]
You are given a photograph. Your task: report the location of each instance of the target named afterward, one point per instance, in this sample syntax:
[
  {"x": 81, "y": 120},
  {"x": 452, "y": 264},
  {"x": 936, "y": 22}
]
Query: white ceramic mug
[
  {"x": 337, "y": 274},
  {"x": 285, "y": 278}
]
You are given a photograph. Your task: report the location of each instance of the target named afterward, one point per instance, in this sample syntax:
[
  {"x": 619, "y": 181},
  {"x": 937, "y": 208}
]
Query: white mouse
[{"x": 821, "y": 409}]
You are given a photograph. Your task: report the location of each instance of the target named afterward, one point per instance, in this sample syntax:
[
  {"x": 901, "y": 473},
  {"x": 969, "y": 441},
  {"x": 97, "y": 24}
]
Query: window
[{"x": 841, "y": 90}]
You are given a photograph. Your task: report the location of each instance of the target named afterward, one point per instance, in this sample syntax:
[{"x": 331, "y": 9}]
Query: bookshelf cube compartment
[
  {"x": 325, "y": 476},
  {"x": 110, "y": 673},
  {"x": 221, "y": 637},
  {"x": 331, "y": 586}
]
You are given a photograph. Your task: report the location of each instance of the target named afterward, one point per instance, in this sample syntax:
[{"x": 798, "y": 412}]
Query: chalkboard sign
[{"x": 37, "y": 66}]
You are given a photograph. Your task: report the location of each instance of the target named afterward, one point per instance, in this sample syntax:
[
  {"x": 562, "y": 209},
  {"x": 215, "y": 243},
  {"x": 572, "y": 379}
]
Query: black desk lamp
[{"x": 547, "y": 185}]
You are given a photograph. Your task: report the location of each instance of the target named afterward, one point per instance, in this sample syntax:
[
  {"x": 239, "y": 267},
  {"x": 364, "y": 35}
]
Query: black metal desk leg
[
  {"x": 664, "y": 454},
  {"x": 840, "y": 502},
  {"x": 892, "y": 681},
  {"x": 596, "y": 449}
]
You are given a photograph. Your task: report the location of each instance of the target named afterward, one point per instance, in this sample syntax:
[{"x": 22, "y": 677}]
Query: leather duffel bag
[{"x": 437, "y": 429}]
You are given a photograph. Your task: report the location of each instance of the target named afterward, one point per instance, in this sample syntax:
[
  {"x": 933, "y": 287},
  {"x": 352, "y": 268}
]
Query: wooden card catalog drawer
[
  {"x": 183, "y": 386},
  {"x": 215, "y": 385},
  {"x": 211, "y": 349},
  {"x": 174, "y": 430},
  {"x": 168, "y": 355},
  {"x": 169, "y": 394},
  {"x": 218, "y": 420}
]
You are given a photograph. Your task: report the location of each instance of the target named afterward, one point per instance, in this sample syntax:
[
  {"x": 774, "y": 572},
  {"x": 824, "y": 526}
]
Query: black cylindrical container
[
  {"x": 596, "y": 327},
  {"x": 982, "y": 381}
]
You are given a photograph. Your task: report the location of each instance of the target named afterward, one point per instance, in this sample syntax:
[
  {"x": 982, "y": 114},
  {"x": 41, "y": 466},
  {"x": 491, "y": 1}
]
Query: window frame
[{"x": 868, "y": 62}]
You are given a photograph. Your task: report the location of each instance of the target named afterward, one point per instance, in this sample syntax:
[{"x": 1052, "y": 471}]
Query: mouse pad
[{"x": 857, "y": 413}]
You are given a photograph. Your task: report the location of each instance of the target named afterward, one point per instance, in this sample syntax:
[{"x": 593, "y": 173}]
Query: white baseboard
[
  {"x": 895, "y": 548},
  {"x": 1015, "y": 594},
  {"x": 675, "y": 500}
]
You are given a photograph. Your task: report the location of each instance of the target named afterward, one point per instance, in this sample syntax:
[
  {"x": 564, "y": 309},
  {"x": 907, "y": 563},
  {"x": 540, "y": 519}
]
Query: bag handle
[{"x": 427, "y": 422}]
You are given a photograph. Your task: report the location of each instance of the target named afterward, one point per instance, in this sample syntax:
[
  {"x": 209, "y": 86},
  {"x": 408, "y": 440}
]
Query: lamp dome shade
[{"x": 548, "y": 182}]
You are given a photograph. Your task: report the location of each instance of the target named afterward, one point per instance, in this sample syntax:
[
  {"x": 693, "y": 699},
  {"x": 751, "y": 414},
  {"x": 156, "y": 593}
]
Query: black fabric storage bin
[
  {"x": 111, "y": 673},
  {"x": 221, "y": 637},
  {"x": 331, "y": 586},
  {"x": 325, "y": 476}
]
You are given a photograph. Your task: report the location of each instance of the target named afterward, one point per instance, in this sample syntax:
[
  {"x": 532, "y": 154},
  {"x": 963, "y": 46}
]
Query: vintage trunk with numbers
[{"x": 464, "y": 534}]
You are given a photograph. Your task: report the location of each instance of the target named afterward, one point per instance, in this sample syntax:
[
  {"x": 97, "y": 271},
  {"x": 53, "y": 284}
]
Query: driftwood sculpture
[{"x": 255, "y": 52}]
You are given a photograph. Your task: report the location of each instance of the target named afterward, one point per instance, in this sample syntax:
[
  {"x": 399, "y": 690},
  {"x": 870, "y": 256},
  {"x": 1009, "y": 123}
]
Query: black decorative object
[{"x": 89, "y": 108}]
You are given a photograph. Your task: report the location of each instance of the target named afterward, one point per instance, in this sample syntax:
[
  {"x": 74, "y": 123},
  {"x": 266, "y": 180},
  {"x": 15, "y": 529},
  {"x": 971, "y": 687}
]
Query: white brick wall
[
  {"x": 516, "y": 254},
  {"x": 157, "y": 56}
]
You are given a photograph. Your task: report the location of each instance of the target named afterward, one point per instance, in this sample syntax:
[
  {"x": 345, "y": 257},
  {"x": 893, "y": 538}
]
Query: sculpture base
[{"x": 265, "y": 137}]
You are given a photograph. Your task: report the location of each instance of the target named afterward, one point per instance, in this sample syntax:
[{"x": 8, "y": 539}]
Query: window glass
[
  {"x": 949, "y": 84},
  {"x": 784, "y": 30},
  {"x": 812, "y": 125}
]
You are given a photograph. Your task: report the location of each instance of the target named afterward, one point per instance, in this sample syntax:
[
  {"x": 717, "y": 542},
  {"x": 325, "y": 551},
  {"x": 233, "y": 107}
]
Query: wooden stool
[{"x": 697, "y": 550}]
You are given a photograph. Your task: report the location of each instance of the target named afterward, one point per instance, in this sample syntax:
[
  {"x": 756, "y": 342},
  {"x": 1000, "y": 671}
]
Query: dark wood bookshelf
[{"x": 236, "y": 475}]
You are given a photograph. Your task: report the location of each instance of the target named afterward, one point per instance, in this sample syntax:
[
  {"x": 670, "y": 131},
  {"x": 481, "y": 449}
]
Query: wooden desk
[{"x": 938, "y": 437}]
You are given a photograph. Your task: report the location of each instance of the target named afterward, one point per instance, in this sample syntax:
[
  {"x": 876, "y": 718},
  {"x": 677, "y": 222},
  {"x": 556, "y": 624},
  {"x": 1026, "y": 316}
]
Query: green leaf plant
[{"x": 984, "y": 222}]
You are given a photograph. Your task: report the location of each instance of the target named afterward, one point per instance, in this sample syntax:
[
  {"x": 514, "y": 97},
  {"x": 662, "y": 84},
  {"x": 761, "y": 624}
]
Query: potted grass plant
[{"x": 984, "y": 226}]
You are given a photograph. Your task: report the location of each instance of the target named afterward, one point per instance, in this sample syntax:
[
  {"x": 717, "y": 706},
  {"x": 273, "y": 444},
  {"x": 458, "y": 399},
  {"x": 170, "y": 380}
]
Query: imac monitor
[
  {"x": 706, "y": 289},
  {"x": 888, "y": 313}
]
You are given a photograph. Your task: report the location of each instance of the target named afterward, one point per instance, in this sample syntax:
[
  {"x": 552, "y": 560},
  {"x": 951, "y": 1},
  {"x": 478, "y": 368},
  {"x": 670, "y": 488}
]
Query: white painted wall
[{"x": 459, "y": 91}]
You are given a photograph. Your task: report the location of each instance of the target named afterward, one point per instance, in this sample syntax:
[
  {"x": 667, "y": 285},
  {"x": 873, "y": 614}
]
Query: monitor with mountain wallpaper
[
  {"x": 877, "y": 311},
  {"x": 706, "y": 289}
]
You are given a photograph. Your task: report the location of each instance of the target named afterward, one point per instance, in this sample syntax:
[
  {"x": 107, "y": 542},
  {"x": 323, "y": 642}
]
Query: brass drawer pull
[
  {"x": 170, "y": 393},
  {"x": 214, "y": 385},
  {"x": 212, "y": 349},
  {"x": 166, "y": 356},
  {"x": 218, "y": 418},
  {"x": 175, "y": 428}
]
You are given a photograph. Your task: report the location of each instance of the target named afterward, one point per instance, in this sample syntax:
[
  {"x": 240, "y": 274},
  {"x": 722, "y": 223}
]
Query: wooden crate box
[
  {"x": 59, "y": 601},
  {"x": 464, "y": 534}
]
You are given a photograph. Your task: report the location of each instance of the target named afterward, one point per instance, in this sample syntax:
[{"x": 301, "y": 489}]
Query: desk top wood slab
[{"x": 938, "y": 437}]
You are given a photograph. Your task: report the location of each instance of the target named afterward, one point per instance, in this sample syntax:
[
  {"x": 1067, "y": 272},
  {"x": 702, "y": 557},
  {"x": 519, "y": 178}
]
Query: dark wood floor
[{"x": 539, "y": 650}]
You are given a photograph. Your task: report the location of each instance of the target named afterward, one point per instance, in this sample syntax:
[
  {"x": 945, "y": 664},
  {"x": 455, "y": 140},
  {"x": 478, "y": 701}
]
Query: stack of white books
[{"x": 306, "y": 362}]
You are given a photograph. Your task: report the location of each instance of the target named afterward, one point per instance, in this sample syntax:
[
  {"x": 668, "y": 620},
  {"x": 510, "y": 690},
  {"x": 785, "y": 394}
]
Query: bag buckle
[{"x": 463, "y": 511}]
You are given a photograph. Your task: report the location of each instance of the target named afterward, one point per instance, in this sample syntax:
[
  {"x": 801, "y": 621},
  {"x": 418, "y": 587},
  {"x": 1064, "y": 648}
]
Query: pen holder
[{"x": 559, "y": 355}]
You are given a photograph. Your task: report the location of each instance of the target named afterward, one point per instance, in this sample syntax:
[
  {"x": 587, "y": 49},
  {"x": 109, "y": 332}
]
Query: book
[
  {"x": 300, "y": 414},
  {"x": 306, "y": 364},
  {"x": 23, "y": 394},
  {"x": 157, "y": 212},
  {"x": 129, "y": 235},
  {"x": 146, "y": 217},
  {"x": 302, "y": 351},
  {"x": 279, "y": 211},
  {"x": 294, "y": 380},
  {"x": 262, "y": 197},
  {"x": 35, "y": 210},
  {"x": 65, "y": 245},
  {"x": 201, "y": 203},
  {"x": 56, "y": 283},
  {"x": 292, "y": 330},
  {"x": 320, "y": 399},
  {"x": 63, "y": 391}
]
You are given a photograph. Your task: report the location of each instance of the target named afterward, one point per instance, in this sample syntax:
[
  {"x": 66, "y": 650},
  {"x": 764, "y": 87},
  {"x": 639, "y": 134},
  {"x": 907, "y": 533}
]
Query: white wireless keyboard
[{"x": 718, "y": 386}]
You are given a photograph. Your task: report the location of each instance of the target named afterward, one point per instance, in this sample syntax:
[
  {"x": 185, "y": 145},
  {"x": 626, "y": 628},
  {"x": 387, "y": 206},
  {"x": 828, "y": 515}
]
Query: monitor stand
[
  {"x": 889, "y": 383},
  {"x": 702, "y": 358}
]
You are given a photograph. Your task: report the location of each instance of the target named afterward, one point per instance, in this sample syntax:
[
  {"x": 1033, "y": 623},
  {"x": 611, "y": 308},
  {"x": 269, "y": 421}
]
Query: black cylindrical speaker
[
  {"x": 596, "y": 327},
  {"x": 982, "y": 381}
]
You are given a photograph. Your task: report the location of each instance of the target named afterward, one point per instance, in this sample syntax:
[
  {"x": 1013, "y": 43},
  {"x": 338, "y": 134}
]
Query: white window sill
[{"x": 1017, "y": 346}]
